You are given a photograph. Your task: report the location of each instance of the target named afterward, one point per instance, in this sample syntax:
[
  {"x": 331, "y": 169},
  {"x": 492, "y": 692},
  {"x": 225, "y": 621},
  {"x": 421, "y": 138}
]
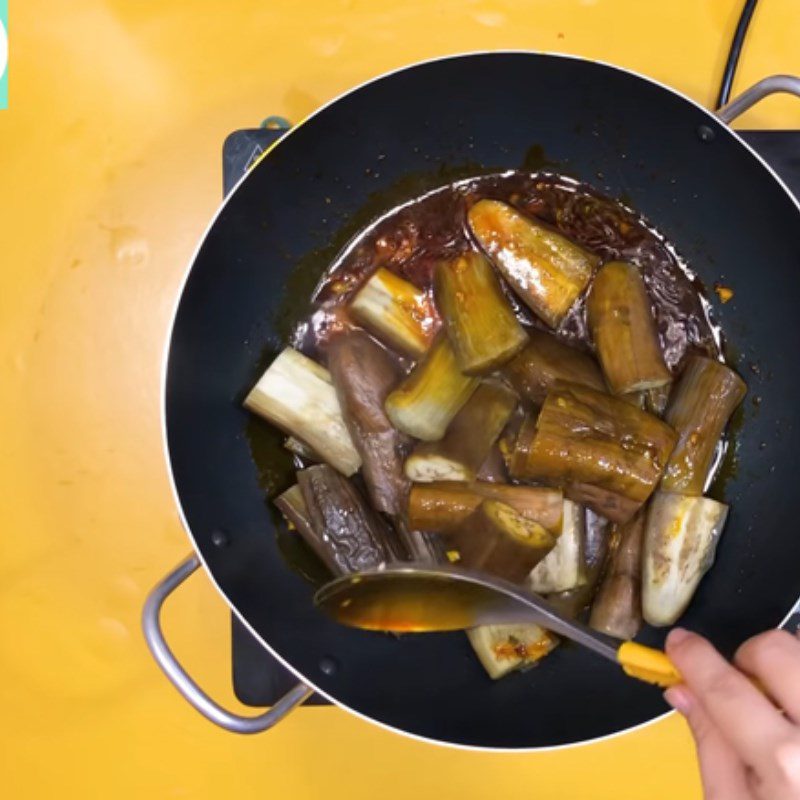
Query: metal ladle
[{"x": 420, "y": 598}]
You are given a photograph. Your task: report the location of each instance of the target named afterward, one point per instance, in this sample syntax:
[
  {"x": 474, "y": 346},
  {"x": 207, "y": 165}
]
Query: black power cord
[{"x": 735, "y": 52}]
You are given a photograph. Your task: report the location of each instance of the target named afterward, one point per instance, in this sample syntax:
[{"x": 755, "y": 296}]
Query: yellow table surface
[{"x": 110, "y": 168}]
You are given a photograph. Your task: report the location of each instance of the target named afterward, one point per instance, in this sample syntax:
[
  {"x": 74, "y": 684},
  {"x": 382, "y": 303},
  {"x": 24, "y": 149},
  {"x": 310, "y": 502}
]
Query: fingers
[
  {"x": 751, "y": 724},
  {"x": 723, "y": 774},
  {"x": 773, "y": 657}
]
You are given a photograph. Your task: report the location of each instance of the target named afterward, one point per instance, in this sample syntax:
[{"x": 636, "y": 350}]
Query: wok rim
[{"x": 171, "y": 329}]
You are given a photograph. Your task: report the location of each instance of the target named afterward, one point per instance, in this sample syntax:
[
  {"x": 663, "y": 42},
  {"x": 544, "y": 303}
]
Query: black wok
[{"x": 387, "y": 141}]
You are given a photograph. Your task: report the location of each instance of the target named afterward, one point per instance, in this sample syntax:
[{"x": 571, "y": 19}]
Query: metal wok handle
[
  {"x": 775, "y": 84},
  {"x": 154, "y": 636}
]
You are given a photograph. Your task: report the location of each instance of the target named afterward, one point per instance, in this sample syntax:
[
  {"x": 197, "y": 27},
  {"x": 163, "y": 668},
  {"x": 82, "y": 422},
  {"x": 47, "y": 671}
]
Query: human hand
[{"x": 748, "y": 747}]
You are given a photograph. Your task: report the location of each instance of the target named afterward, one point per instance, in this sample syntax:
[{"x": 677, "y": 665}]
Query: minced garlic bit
[{"x": 724, "y": 293}]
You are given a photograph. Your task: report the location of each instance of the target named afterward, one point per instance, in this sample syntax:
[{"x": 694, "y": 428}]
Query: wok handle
[
  {"x": 774, "y": 84},
  {"x": 154, "y": 636}
]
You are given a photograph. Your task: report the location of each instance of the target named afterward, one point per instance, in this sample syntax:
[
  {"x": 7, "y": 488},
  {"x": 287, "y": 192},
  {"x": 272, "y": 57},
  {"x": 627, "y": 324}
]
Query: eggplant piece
[
  {"x": 703, "y": 401},
  {"x": 617, "y": 609},
  {"x": 656, "y": 400},
  {"x": 479, "y": 321},
  {"x": 601, "y": 450},
  {"x": 299, "y": 448},
  {"x": 624, "y": 330},
  {"x": 544, "y": 362},
  {"x": 680, "y": 542},
  {"x": 493, "y": 468},
  {"x": 499, "y": 540},
  {"x": 363, "y": 374},
  {"x": 505, "y": 648},
  {"x": 596, "y": 546},
  {"x": 350, "y": 535},
  {"x": 293, "y": 507},
  {"x": 422, "y": 547},
  {"x": 296, "y": 394},
  {"x": 443, "y": 505},
  {"x": 563, "y": 568},
  {"x": 396, "y": 312},
  {"x": 545, "y": 269},
  {"x": 468, "y": 440},
  {"x": 424, "y": 404}
]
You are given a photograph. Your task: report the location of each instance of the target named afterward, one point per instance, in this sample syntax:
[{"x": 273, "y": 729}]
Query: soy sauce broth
[{"x": 412, "y": 238}]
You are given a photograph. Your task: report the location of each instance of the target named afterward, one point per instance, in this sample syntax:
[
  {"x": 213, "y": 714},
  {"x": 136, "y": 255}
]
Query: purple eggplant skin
[
  {"x": 617, "y": 609},
  {"x": 351, "y": 536},
  {"x": 363, "y": 374},
  {"x": 573, "y": 602}
]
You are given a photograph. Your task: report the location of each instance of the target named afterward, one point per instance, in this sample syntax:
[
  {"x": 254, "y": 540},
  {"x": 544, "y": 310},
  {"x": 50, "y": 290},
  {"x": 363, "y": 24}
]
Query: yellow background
[{"x": 110, "y": 167}]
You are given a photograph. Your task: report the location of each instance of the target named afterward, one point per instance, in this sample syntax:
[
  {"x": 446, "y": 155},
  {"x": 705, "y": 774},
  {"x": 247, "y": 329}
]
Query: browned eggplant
[
  {"x": 469, "y": 438},
  {"x": 477, "y": 317},
  {"x": 624, "y": 330},
  {"x": 655, "y": 400},
  {"x": 493, "y": 468},
  {"x": 426, "y": 401},
  {"x": 363, "y": 374},
  {"x": 703, "y": 401},
  {"x": 544, "y": 362},
  {"x": 396, "y": 312},
  {"x": 349, "y": 534},
  {"x": 497, "y": 539},
  {"x": 617, "y": 609},
  {"x": 544, "y": 268},
  {"x": 443, "y": 505},
  {"x": 604, "y": 452}
]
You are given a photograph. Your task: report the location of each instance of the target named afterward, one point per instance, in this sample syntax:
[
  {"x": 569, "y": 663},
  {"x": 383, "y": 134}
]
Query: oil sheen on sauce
[{"x": 412, "y": 238}]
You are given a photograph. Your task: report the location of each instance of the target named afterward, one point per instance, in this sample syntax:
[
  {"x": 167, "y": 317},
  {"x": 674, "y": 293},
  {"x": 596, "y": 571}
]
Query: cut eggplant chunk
[
  {"x": 363, "y": 374},
  {"x": 572, "y": 602},
  {"x": 293, "y": 507},
  {"x": 603, "y": 451},
  {"x": 545, "y": 362},
  {"x": 656, "y": 400},
  {"x": 624, "y": 330},
  {"x": 351, "y": 536},
  {"x": 703, "y": 401},
  {"x": 299, "y": 448},
  {"x": 396, "y": 312},
  {"x": 497, "y": 539},
  {"x": 617, "y": 609},
  {"x": 296, "y": 394},
  {"x": 545, "y": 269},
  {"x": 505, "y": 648},
  {"x": 441, "y": 506},
  {"x": 422, "y": 547},
  {"x": 563, "y": 567},
  {"x": 680, "y": 541},
  {"x": 479, "y": 321},
  {"x": 493, "y": 468},
  {"x": 468, "y": 440},
  {"x": 424, "y": 404}
]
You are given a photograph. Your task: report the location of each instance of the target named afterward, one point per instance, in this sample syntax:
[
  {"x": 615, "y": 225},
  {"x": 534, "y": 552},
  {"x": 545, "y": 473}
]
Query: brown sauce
[{"x": 412, "y": 238}]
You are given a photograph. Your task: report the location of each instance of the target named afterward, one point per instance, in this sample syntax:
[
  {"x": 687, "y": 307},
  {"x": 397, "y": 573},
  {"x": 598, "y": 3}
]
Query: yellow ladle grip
[{"x": 647, "y": 664}]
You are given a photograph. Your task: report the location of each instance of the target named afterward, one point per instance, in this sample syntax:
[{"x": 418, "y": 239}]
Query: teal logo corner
[{"x": 3, "y": 53}]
